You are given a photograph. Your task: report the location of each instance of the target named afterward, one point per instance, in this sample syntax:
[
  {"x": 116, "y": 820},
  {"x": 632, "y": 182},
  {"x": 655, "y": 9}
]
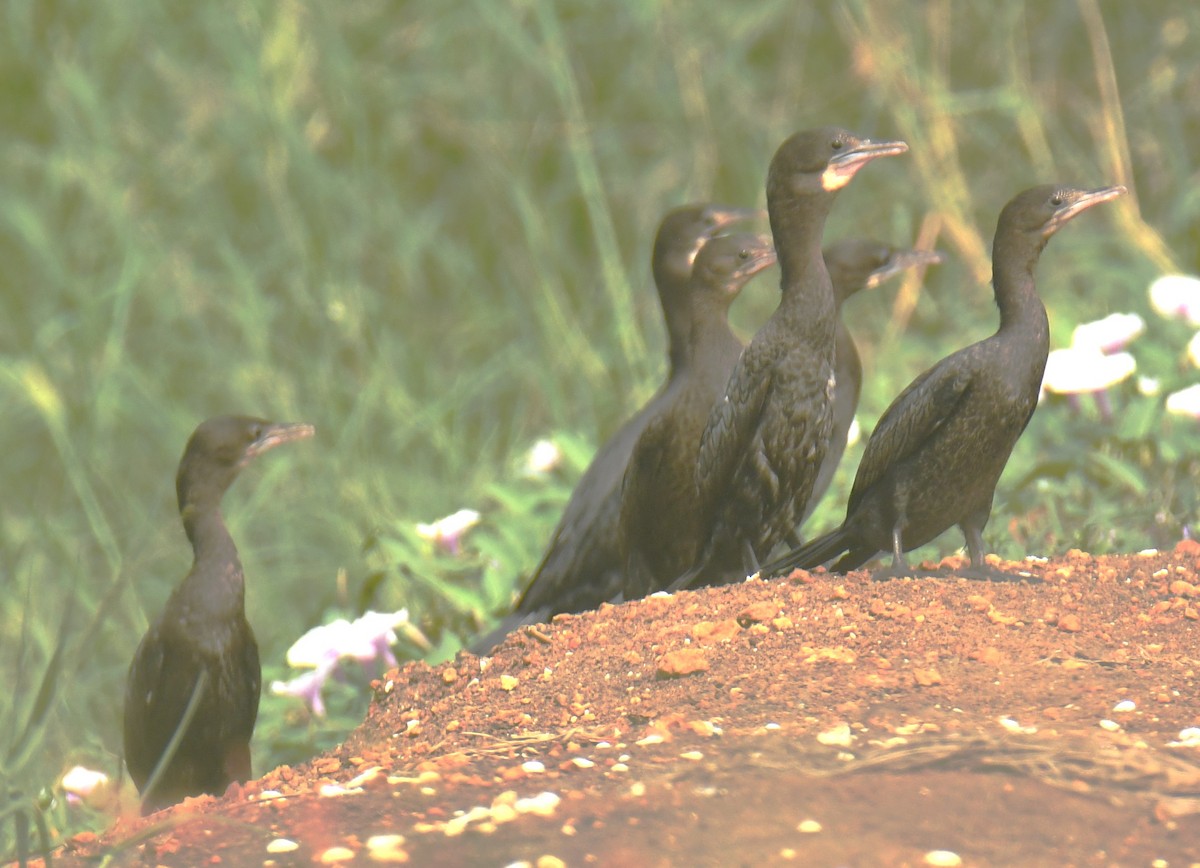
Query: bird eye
[
  {"x": 1056, "y": 199},
  {"x": 836, "y": 144},
  {"x": 743, "y": 254}
]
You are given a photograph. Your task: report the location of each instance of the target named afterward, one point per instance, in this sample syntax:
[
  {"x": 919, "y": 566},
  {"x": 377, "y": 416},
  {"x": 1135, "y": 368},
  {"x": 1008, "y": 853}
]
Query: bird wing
[
  {"x": 911, "y": 419},
  {"x": 730, "y": 427}
]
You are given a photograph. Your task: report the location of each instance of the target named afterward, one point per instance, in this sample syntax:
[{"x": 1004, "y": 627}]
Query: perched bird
[
  {"x": 192, "y": 695},
  {"x": 854, "y": 264},
  {"x": 763, "y": 444},
  {"x": 659, "y": 530},
  {"x": 581, "y": 567},
  {"x": 935, "y": 457}
]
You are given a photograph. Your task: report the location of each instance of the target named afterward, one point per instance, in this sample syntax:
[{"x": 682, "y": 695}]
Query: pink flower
[
  {"x": 543, "y": 458},
  {"x": 307, "y": 687},
  {"x": 1177, "y": 296},
  {"x": 446, "y": 533},
  {"x": 1185, "y": 402},
  {"x": 1109, "y": 334},
  {"x": 84, "y": 785}
]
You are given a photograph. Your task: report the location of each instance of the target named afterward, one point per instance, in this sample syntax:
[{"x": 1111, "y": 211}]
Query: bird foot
[
  {"x": 985, "y": 573},
  {"x": 894, "y": 571}
]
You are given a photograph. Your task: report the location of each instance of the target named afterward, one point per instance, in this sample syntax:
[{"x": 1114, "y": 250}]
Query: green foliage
[{"x": 424, "y": 228}]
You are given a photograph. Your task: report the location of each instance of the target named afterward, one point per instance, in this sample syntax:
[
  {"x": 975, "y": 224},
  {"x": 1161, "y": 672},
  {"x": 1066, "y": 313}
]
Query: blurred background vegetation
[{"x": 424, "y": 227}]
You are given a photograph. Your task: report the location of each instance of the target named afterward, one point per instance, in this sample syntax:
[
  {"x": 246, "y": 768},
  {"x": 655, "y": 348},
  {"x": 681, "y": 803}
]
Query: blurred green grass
[{"x": 424, "y": 228}]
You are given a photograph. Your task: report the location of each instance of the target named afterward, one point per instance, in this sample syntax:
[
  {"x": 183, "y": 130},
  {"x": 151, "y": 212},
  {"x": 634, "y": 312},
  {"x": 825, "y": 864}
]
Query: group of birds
[
  {"x": 720, "y": 468},
  {"x": 731, "y": 455}
]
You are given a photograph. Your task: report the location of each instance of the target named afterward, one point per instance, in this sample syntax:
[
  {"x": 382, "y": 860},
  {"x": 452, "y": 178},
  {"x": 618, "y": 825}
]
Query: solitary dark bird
[
  {"x": 195, "y": 677},
  {"x": 582, "y": 567},
  {"x": 659, "y": 529},
  {"x": 854, "y": 264},
  {"x": 763, "y": 444},
  {"x": 935, "y": 457}
]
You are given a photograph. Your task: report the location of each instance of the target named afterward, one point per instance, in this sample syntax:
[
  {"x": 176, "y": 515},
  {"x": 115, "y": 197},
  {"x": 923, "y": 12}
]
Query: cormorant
[
  {"x": 581, "y": 567},
  {"x": 854, "y": 264},
  {"x": 658, "y": 529},
  {"x": 763, "y": 444},
  {"x": 195, "y": 677},
  {"x": 935, "y": 457}
]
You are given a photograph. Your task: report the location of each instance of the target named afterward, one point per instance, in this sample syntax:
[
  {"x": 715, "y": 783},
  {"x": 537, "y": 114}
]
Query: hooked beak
[
  {"x": 1079, "y": 203},
  {"x": 843, "y": 167},
  {"x": 902, "y": 260},
  {"x": 274, "y": 435}
]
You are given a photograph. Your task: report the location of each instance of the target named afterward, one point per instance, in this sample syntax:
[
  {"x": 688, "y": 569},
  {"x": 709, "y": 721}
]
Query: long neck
[
  {"x": 671, "y": 295},
  {"x": 711, "y": 342},
  {"x": 1014, "y": 259},
  {"x": 215, "y": 586},
  {"x": 797, "y": 224}
]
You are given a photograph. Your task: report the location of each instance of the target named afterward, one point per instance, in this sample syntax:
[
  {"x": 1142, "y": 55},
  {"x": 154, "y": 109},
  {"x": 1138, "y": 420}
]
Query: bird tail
[{"x": 819, "y": 551}]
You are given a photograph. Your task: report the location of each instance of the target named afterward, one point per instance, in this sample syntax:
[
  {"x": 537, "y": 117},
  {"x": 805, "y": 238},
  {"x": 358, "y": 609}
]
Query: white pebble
[
  {"x": 943, "y": 859},
  {"x": 282, "y": 845},
  {"x": 1110, "y": 725},
  {"x": 839, "y": 736},
  {"x": 1125, "y": 705},
  {"x": 808, "y": 827},
  {"x": 533, "y": 767}
]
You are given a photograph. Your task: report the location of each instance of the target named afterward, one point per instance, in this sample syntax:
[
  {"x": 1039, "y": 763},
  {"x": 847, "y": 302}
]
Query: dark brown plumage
[
  {"x": 935, "y": 457},
  {"x": 201, "y": 651},
  {"x": 763, "y": 444},
  {"x": 659, "y": 529},
  {"x": 854, "y": 264},
  {"x": 581, "y": 567}
]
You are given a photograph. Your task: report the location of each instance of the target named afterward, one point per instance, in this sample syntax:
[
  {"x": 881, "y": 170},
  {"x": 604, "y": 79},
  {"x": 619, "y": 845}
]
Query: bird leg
[
  {"x": 899, "y": 568},
  {"x": 979, "y": 569}
]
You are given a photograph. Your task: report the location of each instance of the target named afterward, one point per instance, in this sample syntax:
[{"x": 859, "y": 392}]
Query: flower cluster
[
  {"x": 367, "y": 640},
  {"x": 1096, "y": 359}
]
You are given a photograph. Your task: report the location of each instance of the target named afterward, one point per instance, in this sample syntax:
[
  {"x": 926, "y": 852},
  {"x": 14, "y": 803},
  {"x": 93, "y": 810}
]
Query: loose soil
[{"x": 817, "y": 720}]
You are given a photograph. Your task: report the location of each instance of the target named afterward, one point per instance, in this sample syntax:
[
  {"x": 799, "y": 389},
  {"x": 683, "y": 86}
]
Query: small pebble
[
  {"x": 839, "y": 736},
  {"x": 282, "y": 845},
  {"x": 387, "y": 848},
  {"x": 943, "y": 859},
  {"x": 334, "y": 855},
  {"x": 692, "y": 755},
  {"x": 543, "y": 804},
  {"x": 1125, "y": 705},
  {"x": 533, "y": 767},
  {"x": 1110, "y": 725},
  {"x": 582, "y": 762},
  {"x": 809, "y": 827}
]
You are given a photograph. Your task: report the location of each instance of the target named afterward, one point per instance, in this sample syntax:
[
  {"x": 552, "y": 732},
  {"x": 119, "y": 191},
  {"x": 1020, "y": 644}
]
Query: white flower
[
  {"x": 1109, "y": 334},
  {"x": 1177, "y": 296},
  {"x": 1194, "y": 349},
  {"x": 446, "y": 533},
  {"x": 368, "y": 638},
  {"x": 1148, "y": 386},
  {"x": 321, "y": 645},
  {"x": 544, "y": 457},
  {"x": 1185, "y": 402},
  {"x": 1081, "y": 370},
  {"x": 80, "y": 783},
  {"x": 307, "y": 687}
]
